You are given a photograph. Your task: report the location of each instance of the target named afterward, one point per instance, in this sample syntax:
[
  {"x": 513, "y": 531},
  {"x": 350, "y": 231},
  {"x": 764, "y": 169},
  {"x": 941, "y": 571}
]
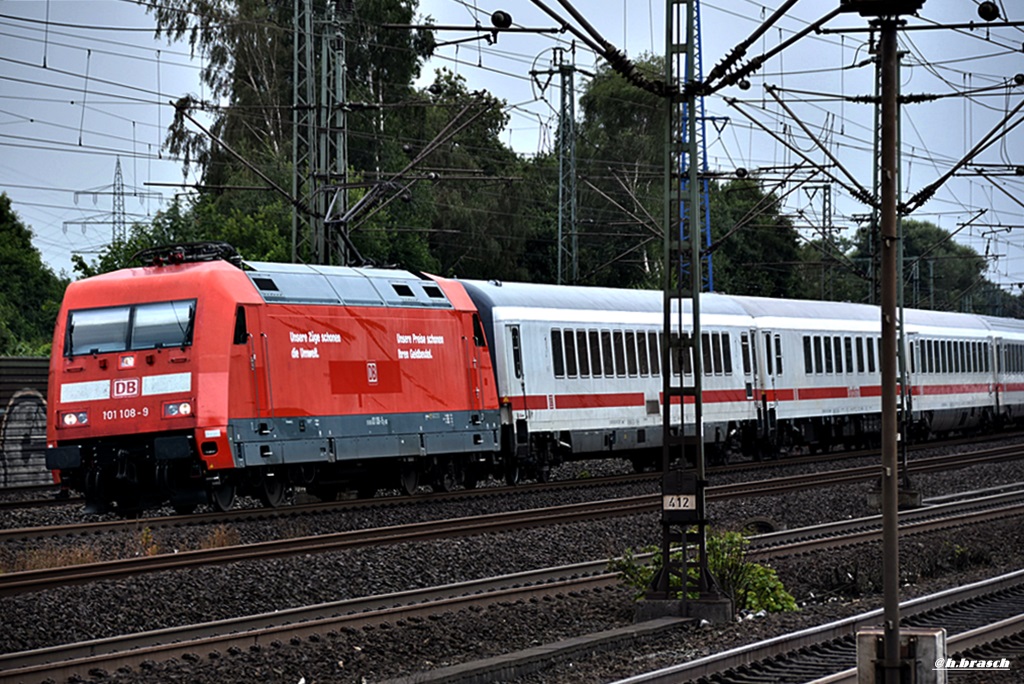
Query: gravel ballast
[{"x": 843, "y": 583}]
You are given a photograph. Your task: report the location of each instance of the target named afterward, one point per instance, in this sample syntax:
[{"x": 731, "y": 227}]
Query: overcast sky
[{"x": 83, "y": 83}]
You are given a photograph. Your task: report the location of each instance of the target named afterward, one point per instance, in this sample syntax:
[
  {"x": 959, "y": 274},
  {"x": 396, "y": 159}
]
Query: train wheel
[
  {"x": 511, "y": 474},
  {"x": 222, "y": 497},
  {"x": 446, "y": 478},
  {"x": 472, "y": 477},
  {"x": 272, "y": 493},
  {"x": 409, "y": 478}
]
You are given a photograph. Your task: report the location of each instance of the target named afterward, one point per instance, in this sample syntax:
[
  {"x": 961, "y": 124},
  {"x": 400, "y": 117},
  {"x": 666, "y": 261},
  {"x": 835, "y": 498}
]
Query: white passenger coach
[{"x": 579, "y": 371}]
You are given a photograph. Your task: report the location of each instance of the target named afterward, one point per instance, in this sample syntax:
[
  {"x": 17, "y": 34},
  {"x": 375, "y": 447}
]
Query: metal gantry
[
  {"x": 319, "y": 134},
  {"x": 684, "y": 518},
  {"x": 568, "y": 244}
]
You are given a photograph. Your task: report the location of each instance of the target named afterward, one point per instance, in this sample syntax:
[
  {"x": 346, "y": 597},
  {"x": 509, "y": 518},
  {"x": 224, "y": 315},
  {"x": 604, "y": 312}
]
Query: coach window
[
  {"x": 828, "y": 354},
  {"x": 595, "y": 353},
  {"x": 720, "y": 351},
  {"x": 620, "y": 354},
  {"x": 985, "y": 357},
  {"x": 517, "y": 353},
  {"x": 860, "y": 354},
  {"x": 819, "y": 367},
  {"x": 848, "y": 346},
  {"x": 768, "y": 354},
  {"x": 655, "y": 352},
  {"x": 556, "y": 353},
  {"x": 778, "y": 355},
  {"x": 631, "y": 353},
  {"x": 581, "y": 349},
  {"x": 706, "y": 354},
  {"x": 975, "y": 360},
  {"x": 686, "y": 353},
  {"x": 569, "y": 342},
  {"x": 808, "y": 359},
  {"x": 837, "y": 346},
  {"x": 607, "y": 355},
  {"x": 745, "y": 352},
  {"x": 871, "y": 355},
  {"x": 675, "y": 353},
  {"x": 726, "y": 354},
  {"x": 641, "y": 352}
]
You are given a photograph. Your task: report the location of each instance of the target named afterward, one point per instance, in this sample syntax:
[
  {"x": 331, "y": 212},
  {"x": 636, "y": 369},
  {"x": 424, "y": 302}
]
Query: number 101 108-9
[{"x": 125, "y": 413}]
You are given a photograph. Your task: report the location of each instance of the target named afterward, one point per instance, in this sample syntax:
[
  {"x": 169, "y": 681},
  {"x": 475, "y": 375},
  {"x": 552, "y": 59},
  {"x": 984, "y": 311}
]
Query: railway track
[
  {"x": 767, "y": 487},
  {"x": 973, "y": 615},
  {"x": 800, "y": 541},
  {"x": 36, "y": 580},
  {"x": 233, "y": 635},
  {"x": 53, "y": 498},
  {"x": 310, "y": 623}
]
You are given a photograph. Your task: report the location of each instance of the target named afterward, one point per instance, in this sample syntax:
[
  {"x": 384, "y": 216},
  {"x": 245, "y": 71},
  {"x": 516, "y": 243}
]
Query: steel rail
[
  {"x": 815, "y": 636},
  {"x": 35, "y": 580},
  {"x": 61, "y": 662},
  {"x": 302, "y": 623},
  {"x": 766, "y": 487}
]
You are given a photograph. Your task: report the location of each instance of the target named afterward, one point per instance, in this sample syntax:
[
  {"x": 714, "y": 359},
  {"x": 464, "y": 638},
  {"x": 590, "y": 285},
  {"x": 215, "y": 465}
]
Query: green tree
[
  {"x": 30, "y": 292},
  {"x": 620, "y": 150},
  {"x": 756, "y": 246},
  {"x": 939, "y": 273}
]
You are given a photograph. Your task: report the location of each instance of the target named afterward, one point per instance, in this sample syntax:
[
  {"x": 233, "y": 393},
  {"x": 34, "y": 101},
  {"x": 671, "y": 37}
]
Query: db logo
[
  {"x": 126, "y": 387},
  {"x": 371, "y": 373}
]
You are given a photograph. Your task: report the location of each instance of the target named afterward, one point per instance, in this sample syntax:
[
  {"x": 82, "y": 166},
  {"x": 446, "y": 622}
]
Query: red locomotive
[{"x": 193, "y": 380}]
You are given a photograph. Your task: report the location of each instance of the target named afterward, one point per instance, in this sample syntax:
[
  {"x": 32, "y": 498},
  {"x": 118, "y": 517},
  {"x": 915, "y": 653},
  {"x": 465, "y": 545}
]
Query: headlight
[
  {"x": 74, "y": 418},
  {"x": 178, "y": 409}
]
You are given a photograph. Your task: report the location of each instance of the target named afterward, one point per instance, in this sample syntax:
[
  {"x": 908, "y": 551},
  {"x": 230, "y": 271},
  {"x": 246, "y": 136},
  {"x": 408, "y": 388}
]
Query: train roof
[
  {"x": 344, "y": 285},
  {"x": 496, "y": 294},
  {"x": 766, "y": 311}
]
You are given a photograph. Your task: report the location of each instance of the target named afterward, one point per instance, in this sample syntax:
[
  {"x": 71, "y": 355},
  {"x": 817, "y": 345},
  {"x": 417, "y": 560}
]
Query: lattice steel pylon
[
  {"x": 693, "y": 68},
  {"x": 120, "y": 234},
  {"x": 684, "y": 515},
  {"x": 319, "y": 134},
  {"x": 567, "y": 244}
]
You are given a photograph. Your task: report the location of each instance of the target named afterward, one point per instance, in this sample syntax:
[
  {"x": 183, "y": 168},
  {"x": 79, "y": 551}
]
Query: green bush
[{"x": 751, "y": 586}]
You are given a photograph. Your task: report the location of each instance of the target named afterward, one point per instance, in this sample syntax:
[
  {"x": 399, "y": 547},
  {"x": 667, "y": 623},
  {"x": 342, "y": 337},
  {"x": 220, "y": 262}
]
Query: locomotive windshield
[{"x": 129, "y": 328}]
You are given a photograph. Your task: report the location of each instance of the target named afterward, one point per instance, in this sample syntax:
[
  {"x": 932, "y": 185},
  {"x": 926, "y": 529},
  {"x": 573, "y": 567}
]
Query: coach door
[
  {"x": 769, "y": 367},
  {"x": 514, "y": 363},
  {"x": 747, "y": 344},
  {"x": 997, "y": 361}
]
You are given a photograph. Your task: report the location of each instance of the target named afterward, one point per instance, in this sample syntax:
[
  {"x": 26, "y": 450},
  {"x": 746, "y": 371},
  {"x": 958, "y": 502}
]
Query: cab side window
[{"x": 241, "y": 329}]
